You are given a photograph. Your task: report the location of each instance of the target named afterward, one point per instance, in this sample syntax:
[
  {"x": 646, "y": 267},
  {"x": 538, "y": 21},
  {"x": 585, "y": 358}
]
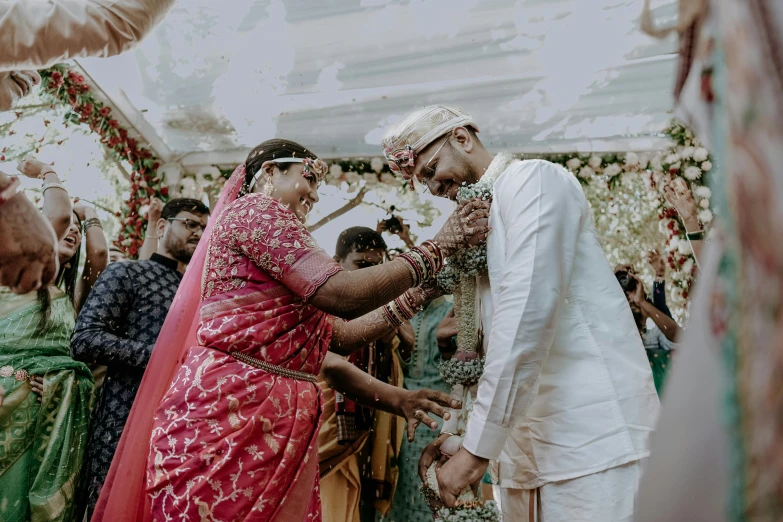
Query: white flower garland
[{"x": 459, "y": 277}]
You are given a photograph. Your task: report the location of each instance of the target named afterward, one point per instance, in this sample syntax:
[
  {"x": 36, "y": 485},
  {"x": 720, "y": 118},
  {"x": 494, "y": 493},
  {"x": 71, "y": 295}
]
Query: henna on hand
[
  {"x": 462, "y": 225},
  {"x": 349, "y": 336}
]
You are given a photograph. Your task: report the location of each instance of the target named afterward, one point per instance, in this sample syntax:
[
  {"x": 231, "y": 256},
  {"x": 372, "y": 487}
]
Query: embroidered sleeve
[{"x": 276, "y": 241}]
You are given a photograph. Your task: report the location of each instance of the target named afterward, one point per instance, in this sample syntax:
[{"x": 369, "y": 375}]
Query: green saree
[{"x": 41, "y": 443}]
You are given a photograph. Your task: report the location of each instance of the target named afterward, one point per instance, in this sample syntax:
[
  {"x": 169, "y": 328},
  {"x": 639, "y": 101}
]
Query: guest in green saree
[{"x": 45, "y": 396}]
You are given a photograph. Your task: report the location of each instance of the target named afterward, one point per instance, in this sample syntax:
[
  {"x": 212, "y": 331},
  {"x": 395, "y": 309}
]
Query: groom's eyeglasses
[
  {"x": 430, "y": 170},
  {"x": 192, "y": 226}
]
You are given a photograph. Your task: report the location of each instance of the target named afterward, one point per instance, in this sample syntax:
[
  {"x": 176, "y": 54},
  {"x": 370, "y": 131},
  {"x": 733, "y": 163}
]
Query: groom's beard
[{"x": 470, "y": 174}]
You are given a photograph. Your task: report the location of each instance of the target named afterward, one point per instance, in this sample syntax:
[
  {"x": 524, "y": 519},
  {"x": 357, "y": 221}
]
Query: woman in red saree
[{"x": 234, "y": 436}]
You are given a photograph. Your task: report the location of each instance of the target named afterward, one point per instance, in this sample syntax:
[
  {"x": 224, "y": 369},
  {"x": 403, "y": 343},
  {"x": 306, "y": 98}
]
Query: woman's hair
[
  {"x": 269, "y": 151},
  {"x": 66, "y": 277}
]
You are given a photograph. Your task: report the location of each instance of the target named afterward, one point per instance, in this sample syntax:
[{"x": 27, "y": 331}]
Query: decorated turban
[{"x": 410, "y": 136}]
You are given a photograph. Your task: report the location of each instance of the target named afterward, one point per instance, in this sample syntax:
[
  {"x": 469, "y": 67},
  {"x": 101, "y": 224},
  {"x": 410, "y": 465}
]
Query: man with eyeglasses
[
  {"x": 566, "y": 401},
  {"x": 119, "y": 325}
]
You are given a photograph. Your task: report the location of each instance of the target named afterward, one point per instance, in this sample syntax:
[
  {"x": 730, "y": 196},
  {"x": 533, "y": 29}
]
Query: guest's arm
[
  {"x": 151, "y": 237},
  {"x": 414, "y": 406},
  {"x": 35, "y": 34},
  {"x": 349, "y": 336},
  {"x": 57, "y": 205},
  {"x": 658, "y": 265},
  {"x": 281, "y": 245},
  {"x": 99, "y": 336},
  {"x": 666, "y": 324},
  {"x": 682, "y": 200},
  {"x": 97, "y": 254}
]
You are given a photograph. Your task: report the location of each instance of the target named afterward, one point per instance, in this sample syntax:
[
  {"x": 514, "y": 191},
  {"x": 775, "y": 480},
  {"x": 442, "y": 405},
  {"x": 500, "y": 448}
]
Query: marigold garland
[{"x": 71, "y": 88}]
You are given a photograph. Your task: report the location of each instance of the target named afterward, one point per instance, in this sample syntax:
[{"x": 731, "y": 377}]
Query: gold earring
[{"x": 268, "y": 188}]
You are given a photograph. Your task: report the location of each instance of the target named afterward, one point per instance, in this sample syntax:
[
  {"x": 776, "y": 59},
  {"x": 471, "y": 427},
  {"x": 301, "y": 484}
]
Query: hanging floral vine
[{"x": 70, "y": 88}]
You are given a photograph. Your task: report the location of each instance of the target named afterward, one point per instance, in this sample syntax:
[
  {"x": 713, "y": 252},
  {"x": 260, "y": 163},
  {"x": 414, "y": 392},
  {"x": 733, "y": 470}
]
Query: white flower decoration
[
  {"x": 573, "y": 164},
  {"x": 687, "y": 152},
  {"x": 612, "y": 170},
  {"x": 700, "y": 154},
  {"x": 674, "y": 244},
  {"x": 704, "y": 203},
  {"x": 594, "y": 162},
  {"x": 586, "y": 173},
  {"x": 706, "y": 166},
  {"x": 692, "y": 173},
  {"x": 631, "y": 159},
  {"x": 335, "y": 170},
  {"x": 672, "y": 158},
  {"x": 684, "y": 248},
  {"x": 350, "y": 176},
  {"x": 371, "y": 180},
  {"x": 144, "y": 210},
  {"x": 688, "y": 265},
  {"x": 376, "y": 164},
  {"x": 705, "y": 216},
  {"x": 702, "y": 192}
]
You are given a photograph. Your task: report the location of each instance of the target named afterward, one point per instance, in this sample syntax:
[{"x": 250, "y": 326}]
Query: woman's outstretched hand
[
  {"x": 416, "y": 407},
  {"x": 468, "y": 222}
]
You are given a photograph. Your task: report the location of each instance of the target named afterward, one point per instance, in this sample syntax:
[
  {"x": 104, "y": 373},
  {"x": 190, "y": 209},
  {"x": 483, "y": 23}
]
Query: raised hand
[
  {"x": 463, "y": 224},
  {"x": 679, "y": 196},
  {"x": 657, "y": 262},
  {"x": 156, "y": 207},
  {"x": 33, "y": 167}
]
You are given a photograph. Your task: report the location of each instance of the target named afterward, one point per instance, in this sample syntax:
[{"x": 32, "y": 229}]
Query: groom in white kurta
[{"x": 567, "y": 401}]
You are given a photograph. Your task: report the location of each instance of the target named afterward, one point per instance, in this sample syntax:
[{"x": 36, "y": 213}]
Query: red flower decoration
[{"x": 57, "y": 80}]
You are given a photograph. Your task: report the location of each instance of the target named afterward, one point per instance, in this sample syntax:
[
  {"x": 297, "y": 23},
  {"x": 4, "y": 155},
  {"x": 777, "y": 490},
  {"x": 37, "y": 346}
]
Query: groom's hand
[{"x": 463, "y": 469}]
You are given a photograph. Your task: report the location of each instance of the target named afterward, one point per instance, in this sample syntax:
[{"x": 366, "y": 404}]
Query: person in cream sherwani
[{"x": 567, "y": 402}]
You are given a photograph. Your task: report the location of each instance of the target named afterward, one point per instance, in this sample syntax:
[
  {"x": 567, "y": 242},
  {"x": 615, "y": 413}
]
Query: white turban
[{"x": 417, "y": 130}]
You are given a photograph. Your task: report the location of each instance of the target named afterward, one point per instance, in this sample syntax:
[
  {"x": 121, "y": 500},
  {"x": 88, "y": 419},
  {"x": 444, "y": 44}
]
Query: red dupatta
[{"x": 123, "y": 497}]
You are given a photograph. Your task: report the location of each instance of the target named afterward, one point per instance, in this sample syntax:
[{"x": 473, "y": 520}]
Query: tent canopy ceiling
[{"x": 216, "y": 78}]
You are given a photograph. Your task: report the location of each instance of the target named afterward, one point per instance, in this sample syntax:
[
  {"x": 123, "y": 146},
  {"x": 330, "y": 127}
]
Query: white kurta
[
  {"x": 38, "y": 33},
  {"x": 567, "y": 390}
]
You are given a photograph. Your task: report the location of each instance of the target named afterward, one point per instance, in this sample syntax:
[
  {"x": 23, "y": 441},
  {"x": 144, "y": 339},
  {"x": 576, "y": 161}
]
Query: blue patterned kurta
[
  {"x": 117, "y": 328},
  {"x": 421, "y": 372}
]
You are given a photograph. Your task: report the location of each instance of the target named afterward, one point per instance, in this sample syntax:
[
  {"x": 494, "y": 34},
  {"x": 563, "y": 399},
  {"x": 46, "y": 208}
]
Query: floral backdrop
[{"x": 625, "y": 191}]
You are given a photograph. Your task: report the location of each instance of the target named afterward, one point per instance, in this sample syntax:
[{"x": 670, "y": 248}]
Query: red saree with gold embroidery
[{"x": 231, "y": 442}]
